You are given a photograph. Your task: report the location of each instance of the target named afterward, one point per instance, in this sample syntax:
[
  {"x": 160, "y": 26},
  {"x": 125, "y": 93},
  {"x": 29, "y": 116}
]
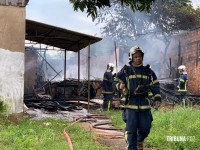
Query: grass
[
  {"x": 46, "y": 134},
  {"x": 175, "y": 129}
]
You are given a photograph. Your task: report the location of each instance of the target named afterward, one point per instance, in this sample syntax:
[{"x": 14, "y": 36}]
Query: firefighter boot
[{"x": 139, "y": 145}]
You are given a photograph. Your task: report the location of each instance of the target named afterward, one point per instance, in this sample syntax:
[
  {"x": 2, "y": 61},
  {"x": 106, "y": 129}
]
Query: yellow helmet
[{"x": 135, "y": 49}]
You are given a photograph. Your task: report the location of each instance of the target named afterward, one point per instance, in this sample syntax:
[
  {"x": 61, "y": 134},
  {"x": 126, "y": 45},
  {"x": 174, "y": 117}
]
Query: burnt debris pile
[
  {"x": 64, "y": 95},
  {"x": 171, "y": 96}
]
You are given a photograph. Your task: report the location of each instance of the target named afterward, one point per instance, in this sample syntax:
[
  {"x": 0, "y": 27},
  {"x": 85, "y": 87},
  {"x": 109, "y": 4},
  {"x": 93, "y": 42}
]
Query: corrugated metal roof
[{"x": 58, "y": 37}]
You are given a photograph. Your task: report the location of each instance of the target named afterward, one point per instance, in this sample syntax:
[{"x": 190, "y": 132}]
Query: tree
[
  {"x": 168, "y": 17},
  {"x": 164, "y": 19},
  {"x": 173, "y": 16},
  {"x": 92, "y": 6}
]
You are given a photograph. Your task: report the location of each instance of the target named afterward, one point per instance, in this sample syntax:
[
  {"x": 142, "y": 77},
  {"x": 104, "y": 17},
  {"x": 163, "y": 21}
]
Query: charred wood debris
[
  {"x": 64, "y": 95},
  {"x": 169, "y": 94}
]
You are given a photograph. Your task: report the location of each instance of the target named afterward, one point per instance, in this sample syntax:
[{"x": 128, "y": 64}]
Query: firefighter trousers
[
  {"x": 107, "y": 103},
  {"x": 138, "y": 125}
]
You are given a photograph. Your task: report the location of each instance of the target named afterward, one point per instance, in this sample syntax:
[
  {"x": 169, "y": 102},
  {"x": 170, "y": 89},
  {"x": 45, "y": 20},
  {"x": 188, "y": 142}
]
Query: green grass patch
[
  {"x": 46, "y": 134},
  {"x": 175, "y": 129},
  {"x": 116, "y": 118}
]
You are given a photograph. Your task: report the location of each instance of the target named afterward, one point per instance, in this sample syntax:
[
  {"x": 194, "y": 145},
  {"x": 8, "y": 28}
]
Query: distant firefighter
[
  {"x": 108, "y": 90},
  {"x": 182, "y": 83}
]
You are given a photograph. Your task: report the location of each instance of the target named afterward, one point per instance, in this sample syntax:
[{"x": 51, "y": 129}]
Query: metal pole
[
  {"x": 65, "y": 70},
  {"x": 78, "y": 90},
  {"x": 170, "y": 66},
  {"x": 179, "y": 53},
  {"x": 88, "y": 75},
  {"x": 116, "y": 56},
  {"x": 48, "y": 64}
]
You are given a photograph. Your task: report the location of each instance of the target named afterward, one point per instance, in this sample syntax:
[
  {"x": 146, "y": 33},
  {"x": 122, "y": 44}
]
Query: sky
[
  {"x": 196, "y": 3},
  {"x": 60, "y": 13}
]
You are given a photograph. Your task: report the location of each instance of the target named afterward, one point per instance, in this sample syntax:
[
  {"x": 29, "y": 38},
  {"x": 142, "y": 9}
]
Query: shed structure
[
  {"x": 14, "y": 30},
  {"x": 55, "y": 38}
]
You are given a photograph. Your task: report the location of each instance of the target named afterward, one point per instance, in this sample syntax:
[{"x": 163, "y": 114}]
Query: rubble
[{"x": 171, "y": 96}]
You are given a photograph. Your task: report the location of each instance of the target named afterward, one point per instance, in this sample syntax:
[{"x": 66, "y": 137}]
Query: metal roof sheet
[{"x": 58, "y": 37}]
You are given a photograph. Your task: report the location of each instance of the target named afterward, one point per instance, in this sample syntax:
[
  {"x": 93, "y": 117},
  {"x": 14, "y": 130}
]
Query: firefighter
[
  {"x": 182, "y": 83},
  {"x": 138, "y": 80},
  {"x": 108, "y": 90}
]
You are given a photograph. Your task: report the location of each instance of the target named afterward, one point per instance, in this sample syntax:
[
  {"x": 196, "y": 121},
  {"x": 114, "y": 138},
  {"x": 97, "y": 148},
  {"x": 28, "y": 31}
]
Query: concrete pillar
[{"x": 12, "y": 46}]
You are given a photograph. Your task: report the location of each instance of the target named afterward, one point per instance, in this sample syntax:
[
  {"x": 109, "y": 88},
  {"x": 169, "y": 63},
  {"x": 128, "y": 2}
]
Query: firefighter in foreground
[
  {"x": 134, "y": 81},
  {"x": 182, "y": 83},
  {"x": 108, "y": 90}
]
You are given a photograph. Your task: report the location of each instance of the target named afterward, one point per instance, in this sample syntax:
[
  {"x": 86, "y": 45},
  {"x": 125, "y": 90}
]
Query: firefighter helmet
[
  {"x": 182, "y": 68},
  {"x": 110, "y": 66},
  {"x": 134, "y": 50}
]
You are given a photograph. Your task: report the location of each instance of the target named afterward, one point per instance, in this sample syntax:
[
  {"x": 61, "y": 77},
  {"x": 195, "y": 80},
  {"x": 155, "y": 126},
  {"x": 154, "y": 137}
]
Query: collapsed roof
[{"x": 58, "y": 37}]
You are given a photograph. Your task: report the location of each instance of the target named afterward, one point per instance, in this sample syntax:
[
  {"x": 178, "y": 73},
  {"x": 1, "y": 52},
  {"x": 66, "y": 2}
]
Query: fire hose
[
  {"x": 68, "y": 140},
  {"x": 67, "y": 135},
  {"x": 96, "y": 125},
  {"x": 111, "y": 135}
]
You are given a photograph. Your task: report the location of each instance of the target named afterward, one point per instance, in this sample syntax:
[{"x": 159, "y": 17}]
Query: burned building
[
  {"x": 185, "y": 49},
  {"x": 39, "y": 85}
]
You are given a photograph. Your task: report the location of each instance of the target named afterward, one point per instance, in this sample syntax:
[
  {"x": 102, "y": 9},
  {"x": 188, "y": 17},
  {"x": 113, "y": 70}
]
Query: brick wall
[{"x": 188, "y": 44}]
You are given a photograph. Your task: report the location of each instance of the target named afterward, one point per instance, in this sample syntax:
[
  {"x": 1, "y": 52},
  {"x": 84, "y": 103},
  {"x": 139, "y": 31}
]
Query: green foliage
[
  {"x": 3, "y": 107},
  {"x": 164, "y": 17},
  {"x": 93, "y": 5},
  {"x": 173, "y": 16}
]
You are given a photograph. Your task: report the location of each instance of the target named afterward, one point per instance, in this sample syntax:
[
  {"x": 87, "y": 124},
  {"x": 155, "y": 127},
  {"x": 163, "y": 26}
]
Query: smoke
[
  {"x": 106, "y": 51},
  {"x": 51, "y": 63},
  {"x": 101, "y": 54}
]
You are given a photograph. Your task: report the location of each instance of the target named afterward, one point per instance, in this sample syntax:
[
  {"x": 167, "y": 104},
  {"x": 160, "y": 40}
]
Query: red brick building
[{"x": 185, "y": 49}]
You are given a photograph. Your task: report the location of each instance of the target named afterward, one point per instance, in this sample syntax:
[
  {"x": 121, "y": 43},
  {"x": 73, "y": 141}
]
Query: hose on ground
[
  {"x": 67, "y": 135},
  {"x": 92, "y": 118},
  {"x": 97, "y": 126},
  {"x": 68, "y": 139}
]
